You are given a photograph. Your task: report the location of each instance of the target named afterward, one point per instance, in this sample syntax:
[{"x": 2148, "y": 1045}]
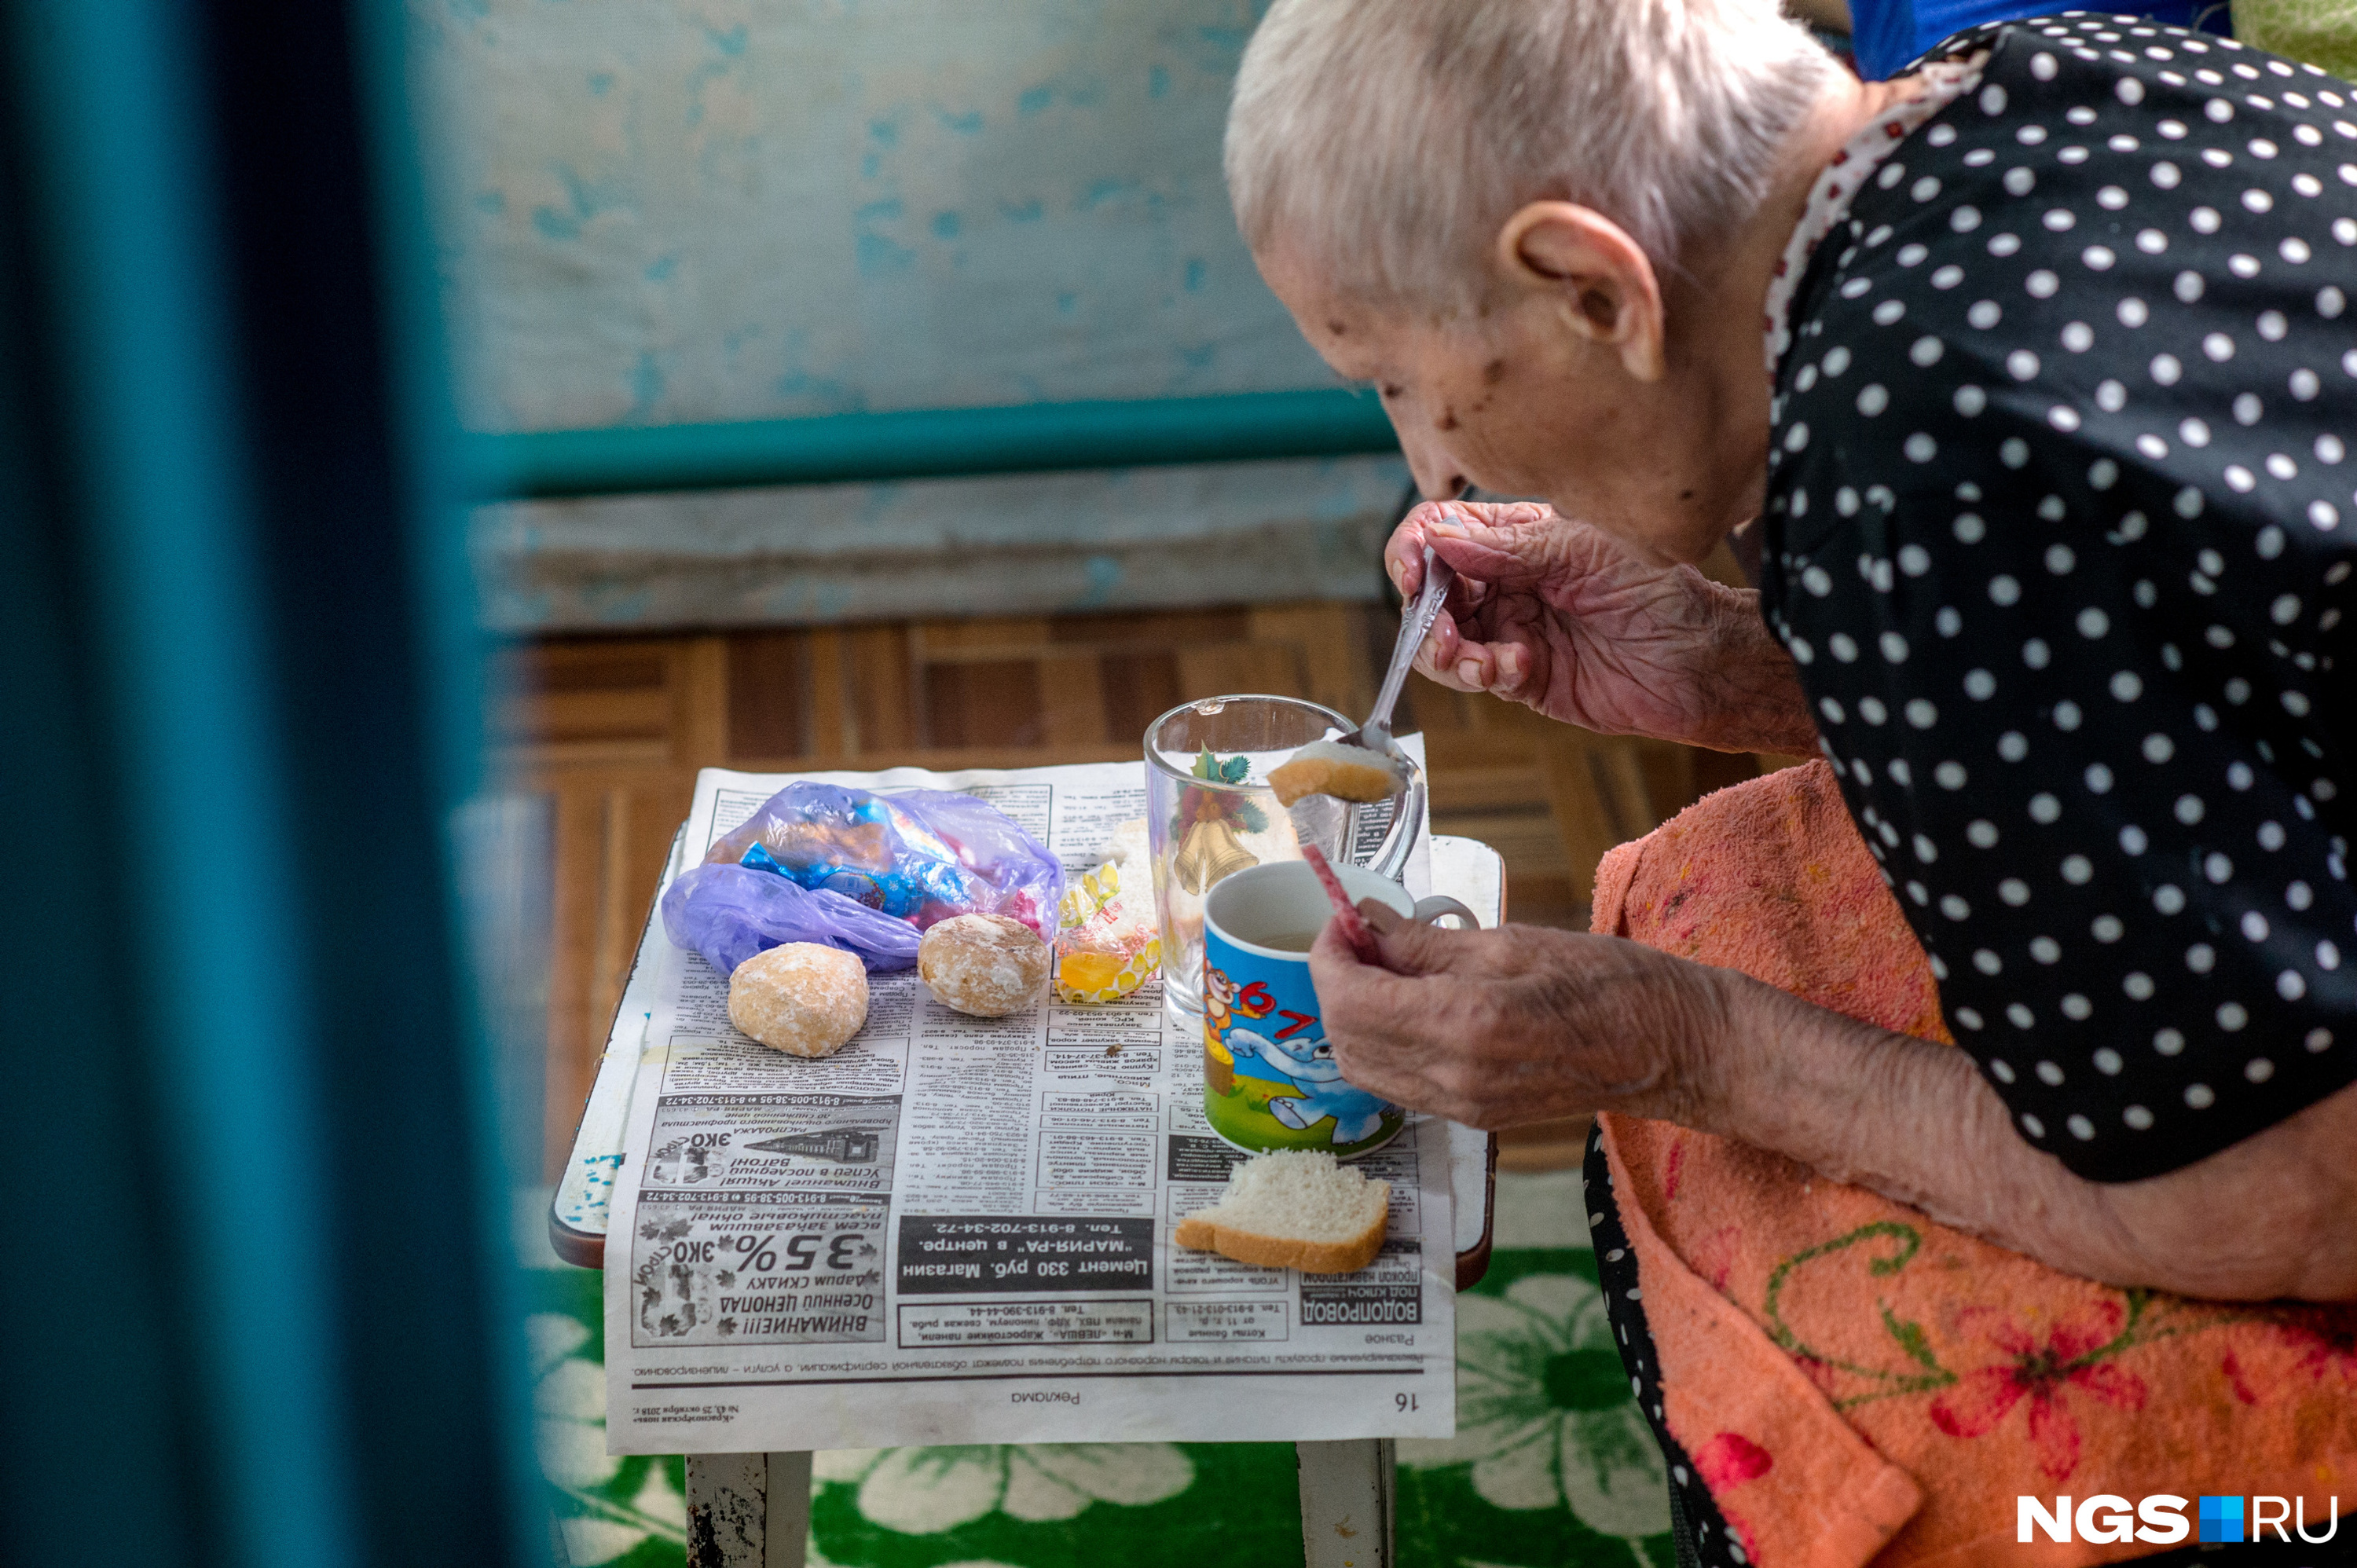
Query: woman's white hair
[{"x": 1385, "y": 141}]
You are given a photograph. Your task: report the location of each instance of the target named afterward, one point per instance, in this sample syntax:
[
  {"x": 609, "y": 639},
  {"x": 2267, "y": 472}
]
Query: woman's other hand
[
  {"x": 1521, "y": 1024},
  {"x": 1558, "y": 615}
]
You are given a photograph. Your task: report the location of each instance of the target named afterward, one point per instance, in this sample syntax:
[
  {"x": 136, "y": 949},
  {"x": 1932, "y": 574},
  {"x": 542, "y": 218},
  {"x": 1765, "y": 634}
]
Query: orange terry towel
[{"x": 1859, "y": 1384}]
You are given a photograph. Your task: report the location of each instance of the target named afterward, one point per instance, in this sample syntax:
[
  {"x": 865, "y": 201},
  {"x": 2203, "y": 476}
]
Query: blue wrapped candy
[{"x": 866, "y": 873}]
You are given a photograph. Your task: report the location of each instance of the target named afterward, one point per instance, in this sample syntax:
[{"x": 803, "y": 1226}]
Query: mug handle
[
  {"x": 1407, "y": 820},
  {"x": 1438, "y": 908}
]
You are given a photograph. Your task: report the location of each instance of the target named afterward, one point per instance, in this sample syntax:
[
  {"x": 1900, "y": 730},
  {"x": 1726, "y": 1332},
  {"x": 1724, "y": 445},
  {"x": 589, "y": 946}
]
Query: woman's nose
[{"x": 1435, "y": 471}]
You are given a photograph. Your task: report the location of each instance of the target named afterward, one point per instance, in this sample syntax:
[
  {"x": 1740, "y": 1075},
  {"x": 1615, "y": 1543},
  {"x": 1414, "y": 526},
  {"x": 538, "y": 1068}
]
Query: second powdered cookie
[{"x": 984, "y": 964}]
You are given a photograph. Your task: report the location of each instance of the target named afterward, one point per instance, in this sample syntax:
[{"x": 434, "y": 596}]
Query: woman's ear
[{"x": 1605, "y": 278}]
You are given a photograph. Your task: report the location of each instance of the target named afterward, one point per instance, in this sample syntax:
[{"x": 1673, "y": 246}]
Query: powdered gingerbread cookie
[
  {"x": 984, "y": 964},
  {"x": 804, "y": 998}
]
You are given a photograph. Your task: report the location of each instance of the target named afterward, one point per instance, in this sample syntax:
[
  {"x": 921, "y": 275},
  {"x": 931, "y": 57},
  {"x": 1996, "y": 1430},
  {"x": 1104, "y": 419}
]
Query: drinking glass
[{"x": 1210, "y": 814}]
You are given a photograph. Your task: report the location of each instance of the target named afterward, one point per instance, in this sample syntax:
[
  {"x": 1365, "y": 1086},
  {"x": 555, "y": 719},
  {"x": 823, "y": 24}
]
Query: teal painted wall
[{"x": 666, "y": 211}]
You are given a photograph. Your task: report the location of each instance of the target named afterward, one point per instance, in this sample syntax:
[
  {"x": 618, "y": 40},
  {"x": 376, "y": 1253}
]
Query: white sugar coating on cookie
[
  {"x": 984, "y": 964},
  {"x": 804, "y": 998},
  {"x": 1330, "y": 767}
]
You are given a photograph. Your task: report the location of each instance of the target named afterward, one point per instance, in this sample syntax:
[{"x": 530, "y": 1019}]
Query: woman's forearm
[
  {"x": 2273, "y": 1214},
  {"x": 1753, "y": 691},
  {"x": 1497, "y": 1028}
]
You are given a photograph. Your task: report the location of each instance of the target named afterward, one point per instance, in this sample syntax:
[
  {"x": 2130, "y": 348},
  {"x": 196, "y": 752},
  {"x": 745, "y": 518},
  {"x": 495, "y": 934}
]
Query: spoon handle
[{"x": 1414, "y": 624}]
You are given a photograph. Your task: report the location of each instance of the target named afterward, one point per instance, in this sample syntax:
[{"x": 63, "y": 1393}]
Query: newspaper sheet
[{"x": 958, "y": 1229}]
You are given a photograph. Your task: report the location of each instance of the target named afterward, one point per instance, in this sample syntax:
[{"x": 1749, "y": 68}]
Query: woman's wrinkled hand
[
  {"x": 1521, "y": 1024},
  {"x": 1558, "y": 616}
]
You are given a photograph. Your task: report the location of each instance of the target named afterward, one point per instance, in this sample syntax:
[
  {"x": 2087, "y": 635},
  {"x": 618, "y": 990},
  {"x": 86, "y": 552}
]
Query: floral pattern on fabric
[
  {"x": 1544, "y": 1411},
  {"x": 2044, "y": 1369},
  {"x": 1998, "y": 1360},
  {"x": 2305, "y": 1350},
  {"x": 1987, "y": 1375},
  {"x": 1977, "y": 1373},
  {"x": 631, "y": 1512},
  {"x": 924, "y": 1491}
]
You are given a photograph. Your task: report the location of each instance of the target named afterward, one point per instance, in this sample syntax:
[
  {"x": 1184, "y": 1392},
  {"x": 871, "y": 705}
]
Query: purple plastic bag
[{"x": 866, "y": 873}]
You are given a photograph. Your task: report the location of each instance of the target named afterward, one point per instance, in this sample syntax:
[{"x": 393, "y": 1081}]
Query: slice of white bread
[
  {"x": 1329, "y": 767},
  {"x": 1294, "y": 1208}
]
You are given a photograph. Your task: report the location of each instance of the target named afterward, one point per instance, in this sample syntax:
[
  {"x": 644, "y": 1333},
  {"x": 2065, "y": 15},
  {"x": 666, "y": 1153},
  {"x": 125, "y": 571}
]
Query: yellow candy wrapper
[{"x": 1106, "y": 943}]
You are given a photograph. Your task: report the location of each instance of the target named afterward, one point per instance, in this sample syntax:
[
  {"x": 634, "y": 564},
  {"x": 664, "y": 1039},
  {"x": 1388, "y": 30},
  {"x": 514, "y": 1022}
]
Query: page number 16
[{"x": 1404, "y": 1401}]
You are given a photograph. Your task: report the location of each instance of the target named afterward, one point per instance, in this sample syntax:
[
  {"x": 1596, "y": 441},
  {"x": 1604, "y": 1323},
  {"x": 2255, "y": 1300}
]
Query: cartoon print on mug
[
  {"x": 1224, "y": 999},
  {"x": 1307, "y": 1063}
]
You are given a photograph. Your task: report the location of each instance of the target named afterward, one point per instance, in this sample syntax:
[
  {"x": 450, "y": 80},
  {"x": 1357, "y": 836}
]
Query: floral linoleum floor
[{"x": 1551, "y": 1465}]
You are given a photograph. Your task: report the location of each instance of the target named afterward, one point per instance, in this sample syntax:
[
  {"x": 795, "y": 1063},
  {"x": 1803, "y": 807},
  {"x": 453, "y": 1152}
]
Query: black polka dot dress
[{"x": 2061, "y": 518}]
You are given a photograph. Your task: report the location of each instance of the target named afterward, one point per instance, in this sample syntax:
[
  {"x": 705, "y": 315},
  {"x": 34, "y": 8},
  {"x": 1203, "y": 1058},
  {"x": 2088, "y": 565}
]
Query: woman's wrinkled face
[{"x": 1515, "y": 400}]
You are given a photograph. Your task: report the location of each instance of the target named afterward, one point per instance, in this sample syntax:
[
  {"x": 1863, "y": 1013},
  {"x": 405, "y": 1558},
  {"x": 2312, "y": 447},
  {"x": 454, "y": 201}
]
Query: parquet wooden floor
[{"x": 612, "y": 730}]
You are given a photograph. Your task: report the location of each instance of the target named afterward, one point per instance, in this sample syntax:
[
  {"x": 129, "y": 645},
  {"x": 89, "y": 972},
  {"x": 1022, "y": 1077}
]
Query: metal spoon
[{"x": 1416, "y": 622}]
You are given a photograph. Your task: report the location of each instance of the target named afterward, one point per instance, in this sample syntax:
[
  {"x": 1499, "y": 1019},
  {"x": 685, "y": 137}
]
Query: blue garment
[{"x": 1887, "y": 36}]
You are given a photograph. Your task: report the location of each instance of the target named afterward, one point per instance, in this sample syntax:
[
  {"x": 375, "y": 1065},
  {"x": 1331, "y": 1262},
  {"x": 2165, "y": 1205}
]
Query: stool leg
[
  {"x": 1346, "y": 1502},
  {"x": 790, "y": 1509},
  {"x": 728, "y": 1510}
]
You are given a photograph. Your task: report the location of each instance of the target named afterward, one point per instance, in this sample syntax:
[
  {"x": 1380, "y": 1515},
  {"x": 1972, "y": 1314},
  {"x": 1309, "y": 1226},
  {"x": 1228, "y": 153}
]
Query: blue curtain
[
  {"x": 1886, "y": 36},
  {"x": 255, "y": 1257}
]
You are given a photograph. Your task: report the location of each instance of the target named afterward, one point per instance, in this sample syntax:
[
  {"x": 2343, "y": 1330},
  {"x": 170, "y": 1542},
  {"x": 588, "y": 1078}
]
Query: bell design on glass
[{"x": 1204, "y": 826}]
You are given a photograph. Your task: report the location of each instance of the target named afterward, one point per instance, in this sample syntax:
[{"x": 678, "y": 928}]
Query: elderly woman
[
  {"x": 2033, "y": 372},
  {"x": 2035, "y": 368}
]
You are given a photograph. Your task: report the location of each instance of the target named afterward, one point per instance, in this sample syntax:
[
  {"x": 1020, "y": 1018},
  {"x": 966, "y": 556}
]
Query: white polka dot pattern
[{"x": 2066, "y": 558}]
